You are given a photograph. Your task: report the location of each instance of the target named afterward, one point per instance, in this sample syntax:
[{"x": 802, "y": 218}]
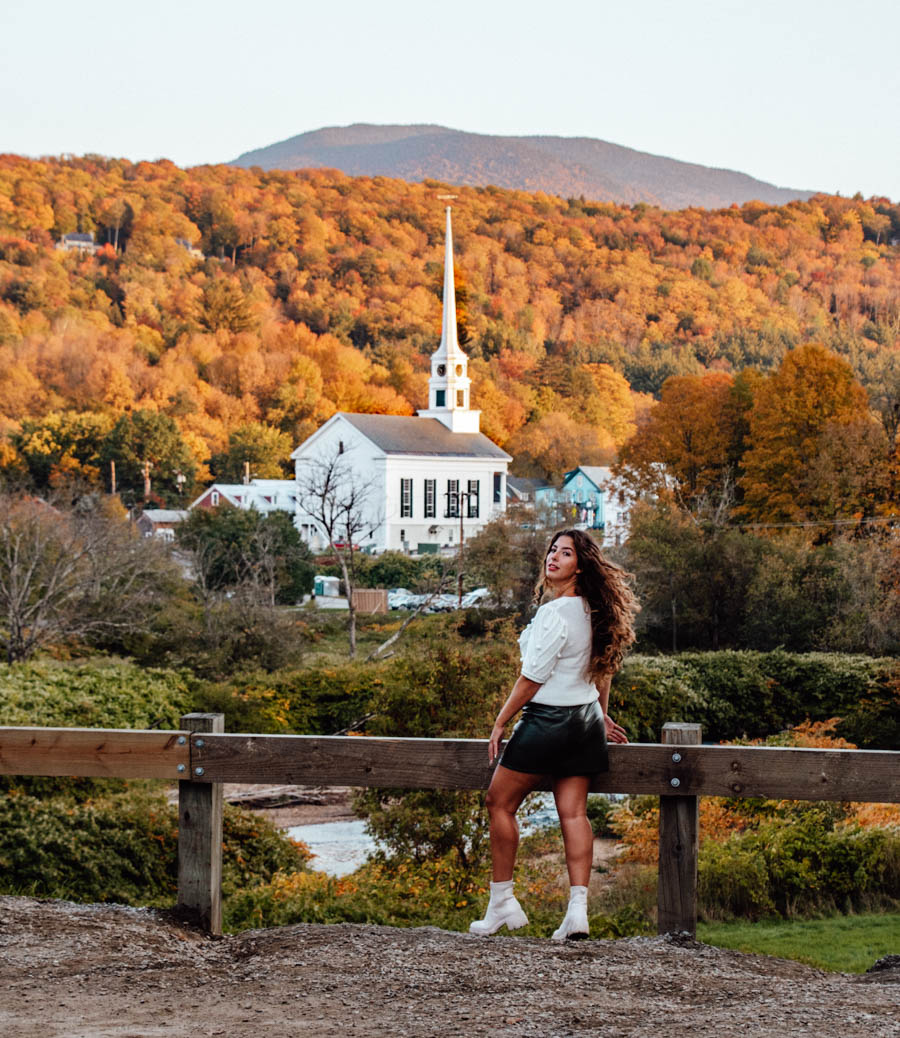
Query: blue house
[{"x": 588, "y": 499}]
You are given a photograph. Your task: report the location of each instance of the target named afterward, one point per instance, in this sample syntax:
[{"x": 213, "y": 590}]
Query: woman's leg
[
  {"x": 570, "y": 794},
  {"x": 504, "y": 797}
]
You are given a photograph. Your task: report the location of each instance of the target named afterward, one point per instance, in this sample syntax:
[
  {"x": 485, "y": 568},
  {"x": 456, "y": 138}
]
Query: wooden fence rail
[{"x": 201, "y": 757}]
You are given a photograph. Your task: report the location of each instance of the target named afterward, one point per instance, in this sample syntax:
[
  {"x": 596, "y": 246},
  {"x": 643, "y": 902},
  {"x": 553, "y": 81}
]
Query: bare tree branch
[
  {"x": 67, "y": 574},
  {"x": 336, "y": 498}
]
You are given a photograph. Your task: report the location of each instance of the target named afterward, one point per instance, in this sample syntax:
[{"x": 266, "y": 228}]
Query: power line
[{"x": 815, "y": 522}]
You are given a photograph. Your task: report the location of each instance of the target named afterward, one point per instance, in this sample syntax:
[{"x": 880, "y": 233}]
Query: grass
[
  {"x": 329, "y": 643},
  {"x": 843, "y": 944}
]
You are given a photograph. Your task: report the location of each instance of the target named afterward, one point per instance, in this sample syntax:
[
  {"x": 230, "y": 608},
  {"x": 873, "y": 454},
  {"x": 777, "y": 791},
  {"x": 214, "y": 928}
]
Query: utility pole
[
  {"x": 112, "y": 478},
  {"x": 460, "y": 495},
  {"x": 247, "y": 473}
]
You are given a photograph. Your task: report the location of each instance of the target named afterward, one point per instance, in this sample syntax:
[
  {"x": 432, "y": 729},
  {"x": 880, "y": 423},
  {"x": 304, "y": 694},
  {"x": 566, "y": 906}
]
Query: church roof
[{"x": 399, "y": 434}]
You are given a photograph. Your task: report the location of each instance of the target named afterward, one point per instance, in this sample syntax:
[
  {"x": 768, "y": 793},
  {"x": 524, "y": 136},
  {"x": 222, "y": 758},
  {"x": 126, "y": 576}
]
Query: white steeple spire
[
  {"x": 449, "y": 385},
  {"x": 449, "y": 346}
]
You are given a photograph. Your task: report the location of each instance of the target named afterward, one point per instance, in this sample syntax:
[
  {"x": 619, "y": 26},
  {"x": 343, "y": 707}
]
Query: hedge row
[
  {"x": 123, "y": 848},
  {"x": 756, "y": 694},
  {"x": 448, "y": 683}
]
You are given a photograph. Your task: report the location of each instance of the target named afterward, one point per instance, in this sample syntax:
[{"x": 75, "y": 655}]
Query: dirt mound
[{"x": 103, "y": 971}]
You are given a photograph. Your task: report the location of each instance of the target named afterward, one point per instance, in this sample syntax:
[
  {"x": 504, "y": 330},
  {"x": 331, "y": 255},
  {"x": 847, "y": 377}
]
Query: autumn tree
[
  {"x": 555, "y": 444},
  {"x": 256, "y": 447},
  {"x": 63, "y": 446},
  {"x": 811, "y": 397},
  {"x": 506, "y": 555},
  {"x": 686, "y": 445}
]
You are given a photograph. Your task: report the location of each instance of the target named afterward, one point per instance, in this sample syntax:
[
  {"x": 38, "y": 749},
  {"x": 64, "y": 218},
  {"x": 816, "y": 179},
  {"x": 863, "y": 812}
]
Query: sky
[{"x": 801, "y": 93}]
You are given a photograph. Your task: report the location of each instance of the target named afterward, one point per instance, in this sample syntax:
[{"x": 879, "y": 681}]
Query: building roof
[
  {"x": 399, "y": 434},
  {"x": 597, "y": 474},
  {"x": 258, "y": 493},
  {"x": 165, "y": 515},
  {"x": 81, "y": 236},
  {"x": 525, "y": 486}
]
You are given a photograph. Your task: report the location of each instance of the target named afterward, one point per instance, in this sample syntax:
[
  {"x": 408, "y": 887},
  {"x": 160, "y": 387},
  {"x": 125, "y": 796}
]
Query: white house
[
  {"x": 265, "y": 495},
  {"x": 431, "y": 476},
  {"x": 78, "y": 241}
]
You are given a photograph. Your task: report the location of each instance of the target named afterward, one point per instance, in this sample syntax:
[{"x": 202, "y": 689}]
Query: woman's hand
[
  {"x": 495, "y": 742},
  {"x": 614, "y": 732}
]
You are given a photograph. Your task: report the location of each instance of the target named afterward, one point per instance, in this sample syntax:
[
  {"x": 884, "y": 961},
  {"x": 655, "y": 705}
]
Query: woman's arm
[
  {"x": 614, "y": 732},
  {"x": 522, "y": 691}
]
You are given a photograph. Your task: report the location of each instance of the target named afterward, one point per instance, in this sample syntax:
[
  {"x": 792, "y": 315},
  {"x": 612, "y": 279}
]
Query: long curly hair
[{"x": 606, "y": 589}]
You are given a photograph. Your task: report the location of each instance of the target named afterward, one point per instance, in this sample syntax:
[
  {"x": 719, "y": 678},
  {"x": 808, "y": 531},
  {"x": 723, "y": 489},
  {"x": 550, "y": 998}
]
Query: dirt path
[{"x": 99, "y": 971}]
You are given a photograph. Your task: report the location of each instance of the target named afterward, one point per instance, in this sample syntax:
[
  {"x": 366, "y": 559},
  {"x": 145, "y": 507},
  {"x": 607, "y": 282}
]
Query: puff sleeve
[{"x": 546, "y": 637}]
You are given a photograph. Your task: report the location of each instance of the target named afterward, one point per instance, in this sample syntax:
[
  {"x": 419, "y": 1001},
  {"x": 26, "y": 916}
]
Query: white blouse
[{"x": 556, "y": 652}]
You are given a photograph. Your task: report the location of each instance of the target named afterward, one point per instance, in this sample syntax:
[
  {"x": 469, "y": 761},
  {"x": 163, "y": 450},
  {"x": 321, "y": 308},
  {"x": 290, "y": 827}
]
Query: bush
[
  {"x": 314, "y": 701},
  {"x": 449, "y": 687},
  {"x": 756, "y": 694},
  {"x": 436, "y": 892},
  {"x": 599, "y": 812},
  {"x": 123, "y": 848},
  {"x": 222, "y": 637},
  {"x": 799, "y": 866},
  {"x": 100, "y": 694},
  {"x": 103, "y": 693}
]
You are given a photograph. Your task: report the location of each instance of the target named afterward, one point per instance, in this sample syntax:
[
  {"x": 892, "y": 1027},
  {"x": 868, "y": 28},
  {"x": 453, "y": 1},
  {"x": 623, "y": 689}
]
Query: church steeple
[{"x": 449, "y": 385}]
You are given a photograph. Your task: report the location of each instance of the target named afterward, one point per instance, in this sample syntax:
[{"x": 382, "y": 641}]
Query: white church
[{"x": 431, "y": 476}]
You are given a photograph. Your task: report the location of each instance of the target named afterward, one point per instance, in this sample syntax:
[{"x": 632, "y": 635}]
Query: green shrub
[
  {"x": 103, "y": 693},
  {"x": 450, "y": 687},
  {"x": 755, "y": 694},
  {"x": 599, "y": 810},
  {"x": 312, "y": 701},
  {"x": 123, "y": 848},
  {"x": 223, "y": 637},
  {"x": 798, "y": 864}
]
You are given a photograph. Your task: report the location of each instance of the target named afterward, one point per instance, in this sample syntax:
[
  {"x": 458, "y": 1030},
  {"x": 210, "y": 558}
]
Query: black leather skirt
[{"x": 558, "y": 741}]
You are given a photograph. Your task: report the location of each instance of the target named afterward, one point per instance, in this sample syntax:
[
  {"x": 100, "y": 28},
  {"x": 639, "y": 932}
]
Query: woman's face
[{"x": 561, "y": 563}]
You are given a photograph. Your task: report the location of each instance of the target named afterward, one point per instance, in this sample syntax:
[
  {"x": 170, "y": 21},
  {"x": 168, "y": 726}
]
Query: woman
[{"x": 570, "y": 651}]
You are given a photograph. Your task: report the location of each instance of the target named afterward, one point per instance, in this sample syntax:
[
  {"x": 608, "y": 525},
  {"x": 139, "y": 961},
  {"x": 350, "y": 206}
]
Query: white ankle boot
[
  {"x": 502, "y": 910},
  {"x": 575, "y": 924}
]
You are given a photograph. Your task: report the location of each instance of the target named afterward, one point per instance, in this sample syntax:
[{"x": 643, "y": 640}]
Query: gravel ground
[{"x": 103, "y": 971}]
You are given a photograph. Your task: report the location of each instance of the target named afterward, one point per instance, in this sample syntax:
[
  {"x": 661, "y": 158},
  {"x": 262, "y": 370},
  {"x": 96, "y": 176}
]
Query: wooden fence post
[
  {"x": 679, "y": 823},
  {"x": 200, "y": 838}
]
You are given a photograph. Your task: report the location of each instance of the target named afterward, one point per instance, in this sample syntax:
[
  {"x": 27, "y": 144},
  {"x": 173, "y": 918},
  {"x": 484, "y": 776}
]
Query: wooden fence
[{"x": 202, "y": 756}]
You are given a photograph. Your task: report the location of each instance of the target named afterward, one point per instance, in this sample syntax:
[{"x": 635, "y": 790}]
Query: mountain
[{"x": 565, "y": 166}]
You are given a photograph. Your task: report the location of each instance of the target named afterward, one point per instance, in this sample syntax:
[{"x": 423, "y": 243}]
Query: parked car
[{"x": 401, "y": 598}]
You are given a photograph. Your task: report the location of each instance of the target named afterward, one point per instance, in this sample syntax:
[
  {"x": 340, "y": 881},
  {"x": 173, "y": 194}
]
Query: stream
[{"x": 341, "y": 847}]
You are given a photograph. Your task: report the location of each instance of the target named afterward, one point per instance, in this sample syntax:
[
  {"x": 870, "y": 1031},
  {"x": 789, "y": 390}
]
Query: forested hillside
[
  {"x": 558, "y": 165},
  {"x": 317, "y": 292}
]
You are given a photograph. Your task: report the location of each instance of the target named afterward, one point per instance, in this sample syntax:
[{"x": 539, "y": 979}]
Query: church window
[
  {"x": 440, "y": 398},
  {"x": 473, "y": 499},
  {"x": 452, "y": 511},
  {"x": 460, "y": 398},
  {"x": 498, "y": 487},
  {"x": 406, "y": 498},
  {"x": 459, "y": 369},
  {"x": 430, "y": 510},
  {"x": 442, "y": 369},
  {"x": 340, "y": 446}
]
